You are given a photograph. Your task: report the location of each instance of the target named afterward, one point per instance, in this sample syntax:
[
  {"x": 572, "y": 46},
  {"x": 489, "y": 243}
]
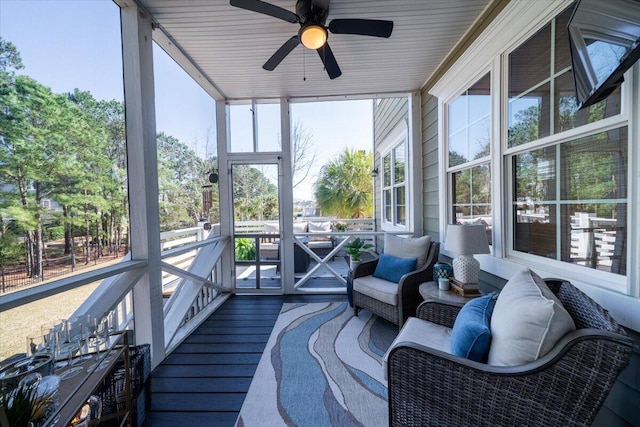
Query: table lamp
[{"x": 466, "y": 240}]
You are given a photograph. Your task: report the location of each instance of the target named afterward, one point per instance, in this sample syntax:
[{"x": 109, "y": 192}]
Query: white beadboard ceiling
[{"x": 229, "y": 45}]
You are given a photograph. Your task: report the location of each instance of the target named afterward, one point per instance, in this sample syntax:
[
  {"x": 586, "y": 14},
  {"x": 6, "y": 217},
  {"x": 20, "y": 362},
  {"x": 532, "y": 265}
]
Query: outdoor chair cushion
[
  {"x": 423, "y": 333},
  {"x": 300, "y": 227},
  {"x": 392, "y": 268},
  {"x": 379, "y": 289},
  {"x": 321, "y": 228},
  {"x": 407, "y": 247},
  {"x": 471, "y": 334},
  {"x": 527, "y": 321},
  {"x": 271, "y": 228}
]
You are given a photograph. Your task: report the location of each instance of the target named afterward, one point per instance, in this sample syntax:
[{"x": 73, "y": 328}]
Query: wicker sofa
[
  {"x": 565, "y": 387},
  {"x": 407, "y": 295}
]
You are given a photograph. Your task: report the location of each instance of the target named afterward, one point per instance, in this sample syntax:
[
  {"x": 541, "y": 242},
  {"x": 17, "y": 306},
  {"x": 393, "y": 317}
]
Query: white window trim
[
  {"x": 395, "y": 138},
  {"x": 448, "y": 171},
  {"x": 518, "y": 22}
]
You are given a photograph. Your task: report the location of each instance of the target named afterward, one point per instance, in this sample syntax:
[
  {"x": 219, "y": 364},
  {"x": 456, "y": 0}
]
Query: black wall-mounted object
[{"x": 604, "y": 38}]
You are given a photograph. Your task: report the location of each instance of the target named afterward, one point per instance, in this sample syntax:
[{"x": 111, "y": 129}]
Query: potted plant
[
  {"x": 340, "y": 226},
  {"x": 355, "y": 249}
]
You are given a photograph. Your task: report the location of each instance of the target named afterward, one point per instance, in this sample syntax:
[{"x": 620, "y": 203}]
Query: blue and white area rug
[{"x": 321, "y": 367}]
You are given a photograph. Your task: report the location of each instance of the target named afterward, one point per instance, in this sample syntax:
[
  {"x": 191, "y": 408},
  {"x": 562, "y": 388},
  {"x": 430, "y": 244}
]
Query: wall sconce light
[{"x": 374, "y": 172}]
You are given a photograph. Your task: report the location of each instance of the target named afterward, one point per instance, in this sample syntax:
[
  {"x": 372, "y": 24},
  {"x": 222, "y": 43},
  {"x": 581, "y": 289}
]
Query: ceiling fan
[{"x": 312, "y": 15}]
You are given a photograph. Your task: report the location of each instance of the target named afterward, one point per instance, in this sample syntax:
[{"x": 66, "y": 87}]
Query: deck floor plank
[{"x": 205, "y": 380}]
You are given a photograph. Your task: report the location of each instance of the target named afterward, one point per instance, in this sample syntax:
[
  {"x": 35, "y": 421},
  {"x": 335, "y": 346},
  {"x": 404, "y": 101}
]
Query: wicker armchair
[
  {"x": 566, "y": 387},
  {"x": 408, "y": 294}
]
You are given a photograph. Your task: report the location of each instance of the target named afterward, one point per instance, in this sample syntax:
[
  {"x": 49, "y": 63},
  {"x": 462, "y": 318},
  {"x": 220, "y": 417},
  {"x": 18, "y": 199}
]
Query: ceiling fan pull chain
[{"x": 304, "y": 66}]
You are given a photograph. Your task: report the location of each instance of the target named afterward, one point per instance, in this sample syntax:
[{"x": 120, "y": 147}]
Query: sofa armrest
[
  {"x": 441, "y": 312},
  {"x": 365, "y": 268},
  {"x": 430, "y": 387}
]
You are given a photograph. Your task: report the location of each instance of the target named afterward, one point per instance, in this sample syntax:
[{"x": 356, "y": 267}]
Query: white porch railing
[{"x": 196, "y": 293}]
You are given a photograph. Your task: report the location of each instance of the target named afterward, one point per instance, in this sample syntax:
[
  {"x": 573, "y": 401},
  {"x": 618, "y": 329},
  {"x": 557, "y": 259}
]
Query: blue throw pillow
[
  {"x": 392, "y": 268},
  {"x": 471, "y": 335}
]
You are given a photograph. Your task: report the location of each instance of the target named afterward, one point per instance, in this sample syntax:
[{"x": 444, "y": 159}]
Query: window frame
[
  {"x": 612, "y": 281},
  {"x": 473, "y": 163},
  {"x": 397, "y": 137},
  {"x": 513, "y": 27}
]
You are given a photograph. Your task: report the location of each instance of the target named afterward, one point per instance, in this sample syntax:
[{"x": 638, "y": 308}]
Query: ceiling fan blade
[
  {"x": 329, "y": 61},
  {"x": 266, "y": 9},
  {"x": 363, "y": 27},
  {"x": 281, "y": 53}
]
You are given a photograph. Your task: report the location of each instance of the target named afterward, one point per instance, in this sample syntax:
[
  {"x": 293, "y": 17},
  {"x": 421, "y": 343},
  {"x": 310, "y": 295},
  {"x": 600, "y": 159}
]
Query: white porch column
[
  {"x": 286, "y": 199},
  {"x": 142, "y": 172},
  {"x": 414, "y": 145},
  {"x": 224, "y": 184}
]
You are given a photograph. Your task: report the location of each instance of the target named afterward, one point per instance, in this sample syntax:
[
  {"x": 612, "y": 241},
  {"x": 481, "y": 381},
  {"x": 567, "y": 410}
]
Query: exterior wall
[
  {"x": 387, "y": 113},
  {"x": 430, "y": 177}
]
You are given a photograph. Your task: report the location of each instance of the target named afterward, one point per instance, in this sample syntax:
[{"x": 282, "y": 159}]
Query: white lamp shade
[{"x": 467, "y": 239}]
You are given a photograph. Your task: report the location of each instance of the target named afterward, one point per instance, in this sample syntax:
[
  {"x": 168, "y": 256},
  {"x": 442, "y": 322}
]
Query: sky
[{"x": 76, "y": 44}]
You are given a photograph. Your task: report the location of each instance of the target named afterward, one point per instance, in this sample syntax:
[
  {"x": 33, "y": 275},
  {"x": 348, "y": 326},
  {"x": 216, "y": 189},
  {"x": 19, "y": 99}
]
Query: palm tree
[{"x": 345, "y": 188}]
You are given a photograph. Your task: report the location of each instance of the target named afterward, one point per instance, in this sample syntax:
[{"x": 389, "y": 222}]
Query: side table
[{"x": 431, "y": 291}]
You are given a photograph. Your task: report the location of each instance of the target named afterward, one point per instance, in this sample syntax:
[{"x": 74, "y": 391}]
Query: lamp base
[{"x": 466, "y": 269}]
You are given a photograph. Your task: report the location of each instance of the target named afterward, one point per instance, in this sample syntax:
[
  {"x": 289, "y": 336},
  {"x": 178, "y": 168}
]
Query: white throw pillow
[
  {"x": 527, "y": 321},
  {"x": 407, "y": 247},
  {"x": 320, "y": 228},
  {"x": 300, "y": 227}
]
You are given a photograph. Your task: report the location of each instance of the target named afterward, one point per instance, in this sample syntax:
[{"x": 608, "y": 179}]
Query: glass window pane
[
  {"x": 592, "y": 177},
  {"x": 529, "y": 116},
  {"x": 480, "y": 99},
  {"x": 595, "y": 167},
  {"x": 481, "y": 184},
  {"x": 523, "y": 74},
  {"x": 535, "y": 229},
  {"x": 241, "y": 128},
  {"x": 401, "y": 206},
  {"x": 269, "y": 127},
  {"x": 399, "y": 166},
  {"x": 386, "y": 196},
  {"x": 470, "y": 123},
  {"x": 567, "y": 115},
  {"x": 458, "y": 149},
  {"x": 462, "y": 187},
  {"x": 563, "y": 54},
  {"x": 479, "y": 139},
  {"x": 595, "y": 236},
  {"x": 472, "y": 196},
  {"x": 387, "y": 170},
  {"x": 535, "y": 176},
  {"x": 458, "y": 114}
]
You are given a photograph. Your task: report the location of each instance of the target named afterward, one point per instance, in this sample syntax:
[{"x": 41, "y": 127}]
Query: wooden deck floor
[{"x": 205, "y": 380}]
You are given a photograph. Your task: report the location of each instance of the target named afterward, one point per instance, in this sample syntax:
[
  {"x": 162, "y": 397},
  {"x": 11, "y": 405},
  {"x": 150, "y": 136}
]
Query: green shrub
[
  {"x": 245, "y": 249},
  {"x": 55, "y": 233}
]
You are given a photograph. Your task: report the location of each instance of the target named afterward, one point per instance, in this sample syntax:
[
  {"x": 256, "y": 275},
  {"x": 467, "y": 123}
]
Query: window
[
  {"x": 569, "y": 195},
  {"x": 254, "y": 127},
  {"x": 542, "y": 98},
  {"x": 585, "y": 222},
  {"x": 469, "y": 148},
  {"x": 394, "y": 182},
  {"x": 557, "y": 184}
]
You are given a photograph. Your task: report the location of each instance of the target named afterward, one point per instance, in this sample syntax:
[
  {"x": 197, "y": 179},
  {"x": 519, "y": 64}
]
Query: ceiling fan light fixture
[{"x": 313, "y": 36}]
